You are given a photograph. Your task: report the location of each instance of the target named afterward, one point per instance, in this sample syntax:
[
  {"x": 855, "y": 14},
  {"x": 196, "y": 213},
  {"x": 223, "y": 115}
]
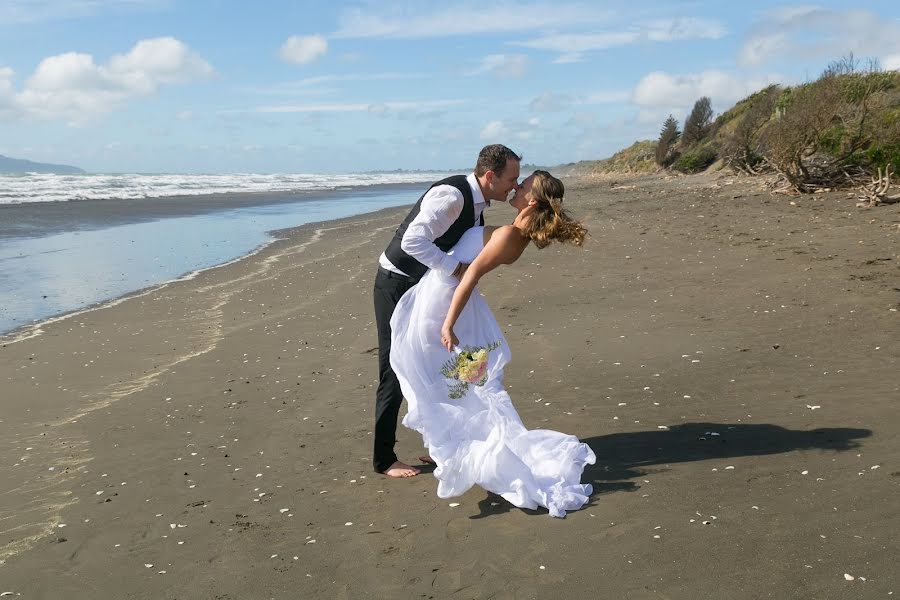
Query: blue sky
[{"x": 277, "y": 86}]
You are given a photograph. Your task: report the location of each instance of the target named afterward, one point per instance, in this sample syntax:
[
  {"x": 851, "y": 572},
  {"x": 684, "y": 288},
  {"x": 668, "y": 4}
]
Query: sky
[{"x": 222, "y": 86}]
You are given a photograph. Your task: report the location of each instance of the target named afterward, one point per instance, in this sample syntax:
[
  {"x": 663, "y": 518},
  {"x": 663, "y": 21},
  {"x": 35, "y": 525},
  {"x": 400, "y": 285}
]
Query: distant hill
[
  {"x": 637, "y": 159},
  {"x": 837, "y": 131},
  {"x": 19, "y": 165}
]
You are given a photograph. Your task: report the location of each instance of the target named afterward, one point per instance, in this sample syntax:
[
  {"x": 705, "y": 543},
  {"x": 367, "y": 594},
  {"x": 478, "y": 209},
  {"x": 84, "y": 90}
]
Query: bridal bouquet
[{"x": 468, "y": 367}]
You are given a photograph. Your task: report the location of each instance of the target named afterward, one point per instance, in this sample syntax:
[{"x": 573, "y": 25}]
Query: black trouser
[{"x": 389, "y": 287}]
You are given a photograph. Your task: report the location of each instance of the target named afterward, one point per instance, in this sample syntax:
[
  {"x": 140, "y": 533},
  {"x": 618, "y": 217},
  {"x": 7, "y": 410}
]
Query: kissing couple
[{"x": 426, "y": 308}]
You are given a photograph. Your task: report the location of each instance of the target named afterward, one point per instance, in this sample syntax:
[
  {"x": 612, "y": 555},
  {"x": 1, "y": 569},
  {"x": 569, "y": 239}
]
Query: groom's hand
[{"x": 460, "y": 270}]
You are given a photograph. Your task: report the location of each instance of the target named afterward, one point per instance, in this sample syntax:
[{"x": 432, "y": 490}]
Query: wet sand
[{"x": 731, "y": 358}]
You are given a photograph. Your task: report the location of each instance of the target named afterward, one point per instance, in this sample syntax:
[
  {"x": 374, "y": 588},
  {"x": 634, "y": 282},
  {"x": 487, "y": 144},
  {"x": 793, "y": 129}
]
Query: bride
[{"x": 478, "y": 438}]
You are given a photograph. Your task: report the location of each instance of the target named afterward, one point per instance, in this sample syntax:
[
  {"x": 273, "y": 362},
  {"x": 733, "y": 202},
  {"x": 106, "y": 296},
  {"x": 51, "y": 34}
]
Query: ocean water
[
  {"x": 34, "y": 187},
  {"x": 49, "y": 274}
]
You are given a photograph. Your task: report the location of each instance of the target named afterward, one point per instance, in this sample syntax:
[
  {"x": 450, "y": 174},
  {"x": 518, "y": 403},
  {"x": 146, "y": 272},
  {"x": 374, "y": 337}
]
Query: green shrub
[
  {"x": 737, "y": 137},
  {"x": 858, "y": 86},
  {"x": 695, "y": 160},
  {"x": 881, "y": 156},
  {"x": 832, "y": 140},
  {"x": 884, "y": 147}
]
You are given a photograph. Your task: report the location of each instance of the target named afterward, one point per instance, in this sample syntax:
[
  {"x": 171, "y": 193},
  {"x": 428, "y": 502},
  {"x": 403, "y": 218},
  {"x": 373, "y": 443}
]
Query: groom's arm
[{"x": 440, "y": 207}]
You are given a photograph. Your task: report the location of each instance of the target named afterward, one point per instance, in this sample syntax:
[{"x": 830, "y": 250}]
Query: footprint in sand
[{"x": 458, "y": 529}]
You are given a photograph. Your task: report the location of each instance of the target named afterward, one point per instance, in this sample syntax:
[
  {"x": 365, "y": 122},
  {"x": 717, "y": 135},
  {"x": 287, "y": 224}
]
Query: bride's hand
[{"x": 448, "y": 338}]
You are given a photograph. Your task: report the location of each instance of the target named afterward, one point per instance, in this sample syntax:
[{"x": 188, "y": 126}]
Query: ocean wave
[{"x": 36, "y": 187}]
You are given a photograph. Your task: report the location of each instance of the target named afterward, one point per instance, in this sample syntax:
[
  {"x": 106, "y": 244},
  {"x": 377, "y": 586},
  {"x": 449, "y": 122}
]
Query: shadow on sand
[{"x": 624, "y": 456}]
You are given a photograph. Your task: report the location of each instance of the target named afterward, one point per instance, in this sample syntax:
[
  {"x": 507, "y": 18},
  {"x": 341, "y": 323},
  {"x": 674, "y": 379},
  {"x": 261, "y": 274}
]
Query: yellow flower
[{"x": 466, "y": 372}]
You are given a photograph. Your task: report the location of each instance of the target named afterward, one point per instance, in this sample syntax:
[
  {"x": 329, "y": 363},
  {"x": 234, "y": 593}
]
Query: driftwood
[
  {"x": 745, "y": 167},
  {"x": 819, "y": 178},
  {"x": 876, "y": 193}
]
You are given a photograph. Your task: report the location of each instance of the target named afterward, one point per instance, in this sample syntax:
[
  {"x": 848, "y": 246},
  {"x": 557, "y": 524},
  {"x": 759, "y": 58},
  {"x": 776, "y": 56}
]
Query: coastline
[
  {"x": 34, "y": 329},
  {"x": 60, "y": 216},
  {"x": 119, "y": 248},
  {"x": 729, "y": 356}
]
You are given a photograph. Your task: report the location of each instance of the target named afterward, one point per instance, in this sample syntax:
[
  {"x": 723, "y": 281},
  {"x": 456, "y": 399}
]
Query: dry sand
[{"x": 731, "y": 358}]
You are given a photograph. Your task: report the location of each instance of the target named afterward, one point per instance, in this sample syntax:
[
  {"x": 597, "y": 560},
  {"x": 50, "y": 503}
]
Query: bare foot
[
  {"x": 427, "y": 460},
  {"x": 401, "y": 470}
]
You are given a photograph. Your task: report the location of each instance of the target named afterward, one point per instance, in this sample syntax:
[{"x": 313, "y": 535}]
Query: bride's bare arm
[{"x": 505, "y": 245}]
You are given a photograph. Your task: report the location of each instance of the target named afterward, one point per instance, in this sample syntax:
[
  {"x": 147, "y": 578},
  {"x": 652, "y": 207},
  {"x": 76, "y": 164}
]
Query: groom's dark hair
[{"x": 493, "y": 158}]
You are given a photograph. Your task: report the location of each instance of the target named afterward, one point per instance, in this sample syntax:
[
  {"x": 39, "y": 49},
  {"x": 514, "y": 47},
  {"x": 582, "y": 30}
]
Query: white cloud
[
  {"x": 302, "y": 50},
  {"x": 389, "y": 76},
  {"x": 663, "y": 89},
  {"x": 314, "y": 108},
  {"x": 576, "y": 43},
  {"x": 493, "y": 131},
  {"x": 607, "y": 97},
  {"x": 891, "y": 62},
  {"x": 582, "y": 120},
  {"x": 529, "y": 129},
  {"x": 818, "y": 33},
  {"x": 164, "y": 60},
  {"x": 71, "y": 70},
  {"x": 378, "y": 109},
  {"x": 7, "y": 97},
  {"x": 6, "y": 75},
  {"x": 550, "y": 102},
  {"x": 556, "y": 102},
  {"x": 784, "y": 13},
  {"x": 419, "y": 20},
  {"x": 14, "y": 12},
  {"x": 659, "y": 93},
  {"x": 572, "y": 46},
  {"x": 684, "y": 28},
  {"x": 72, "y": 86},
  {"x": 315, "y": 86},
  {"x": 375, "y": 107},
  {"x": 185, "y": 115},
  {"x": 572, "y": 57},
  {"x": 763, "y": 46},
  {"x": 502, "y": 66}
]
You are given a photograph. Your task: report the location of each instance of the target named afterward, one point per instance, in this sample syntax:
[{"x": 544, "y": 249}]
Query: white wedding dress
[{"x": 479, "y": 438}]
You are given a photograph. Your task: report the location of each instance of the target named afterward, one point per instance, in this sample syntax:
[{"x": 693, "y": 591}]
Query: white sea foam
[{"x": 34, "y": 187}]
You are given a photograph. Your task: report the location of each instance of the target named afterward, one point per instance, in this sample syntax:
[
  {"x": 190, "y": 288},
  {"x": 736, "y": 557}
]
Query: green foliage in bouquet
[{"x": 468, "y": 367}]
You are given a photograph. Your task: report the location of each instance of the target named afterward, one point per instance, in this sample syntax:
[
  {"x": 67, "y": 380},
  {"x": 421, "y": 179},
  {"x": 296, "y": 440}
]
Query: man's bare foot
[
  {"x": 401, "y": 470},
  {"x": 427, "y": 460}
]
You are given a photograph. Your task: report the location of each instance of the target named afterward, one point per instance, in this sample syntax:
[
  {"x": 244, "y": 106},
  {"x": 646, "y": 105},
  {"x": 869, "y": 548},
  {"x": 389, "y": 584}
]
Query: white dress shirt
[{"x": 440, "y": 207}]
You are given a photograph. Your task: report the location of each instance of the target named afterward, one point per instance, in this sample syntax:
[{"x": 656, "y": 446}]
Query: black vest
[{"x": 464, "y": 222}]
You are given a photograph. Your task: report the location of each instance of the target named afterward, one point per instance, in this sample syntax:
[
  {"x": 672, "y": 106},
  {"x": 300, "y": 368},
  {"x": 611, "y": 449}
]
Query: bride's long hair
[{"x": 550, "y": 222}]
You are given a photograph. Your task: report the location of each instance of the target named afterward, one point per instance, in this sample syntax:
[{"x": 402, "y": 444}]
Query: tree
[
  {"x": 827, "y": 129},
  {"x": 667, "y": 138},
  {"x": 697, "y": 124}
]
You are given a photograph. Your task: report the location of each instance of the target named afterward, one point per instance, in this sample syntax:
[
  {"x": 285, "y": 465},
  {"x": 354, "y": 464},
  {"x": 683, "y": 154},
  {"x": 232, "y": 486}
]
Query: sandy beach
[{"x": 730, "y": 355}]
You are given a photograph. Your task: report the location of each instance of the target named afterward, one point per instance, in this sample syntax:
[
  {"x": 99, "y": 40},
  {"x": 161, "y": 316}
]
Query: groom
[{"x": 434, "y": 225}]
